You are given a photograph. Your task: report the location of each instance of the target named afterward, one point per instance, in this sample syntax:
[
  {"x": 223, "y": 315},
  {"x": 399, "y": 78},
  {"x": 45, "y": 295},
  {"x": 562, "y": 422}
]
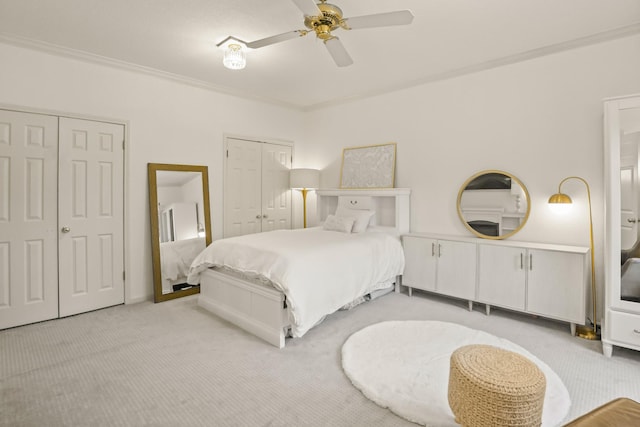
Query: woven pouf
[{"x": 490, "y": 386}]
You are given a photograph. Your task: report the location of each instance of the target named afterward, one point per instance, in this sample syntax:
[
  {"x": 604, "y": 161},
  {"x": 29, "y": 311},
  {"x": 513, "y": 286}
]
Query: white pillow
[
  {"x": 361, "y": 217},
  {"x": 338, "y": 223}
]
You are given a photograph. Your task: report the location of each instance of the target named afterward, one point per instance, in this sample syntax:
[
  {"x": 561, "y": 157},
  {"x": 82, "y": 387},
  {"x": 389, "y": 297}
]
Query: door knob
[
  {"x": 264, "y": 216},
  {"x": 632, "y": 220},
  {"x": 258, "y": 216},
  {"x": 65, "y": 229}
]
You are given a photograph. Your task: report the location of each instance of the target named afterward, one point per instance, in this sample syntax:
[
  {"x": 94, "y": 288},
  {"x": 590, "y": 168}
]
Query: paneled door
[
  {"x": 28, "y": 218},
  {"x": 276, "y": 192},
  {"x": 242, "y": 188},
  {"x": 91, "y": 217},
  {"x": 257, "y": 196}
]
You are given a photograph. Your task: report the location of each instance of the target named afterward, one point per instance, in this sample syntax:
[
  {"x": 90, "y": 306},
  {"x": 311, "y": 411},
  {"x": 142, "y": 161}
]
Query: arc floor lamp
[
  {"x": 304, "y": 180},
  {"x": 561, "y": 198}
]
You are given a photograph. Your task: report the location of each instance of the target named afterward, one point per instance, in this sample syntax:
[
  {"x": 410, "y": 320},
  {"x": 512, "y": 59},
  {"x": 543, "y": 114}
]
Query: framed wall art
[{"x": 371, "y": 166}]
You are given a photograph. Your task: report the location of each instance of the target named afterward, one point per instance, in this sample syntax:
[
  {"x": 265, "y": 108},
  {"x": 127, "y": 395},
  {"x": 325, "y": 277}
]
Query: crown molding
[
  {"x": 613, "y": 34},
  {"x": 605, "y": 36},
  {"x": 128, "y": 66}
]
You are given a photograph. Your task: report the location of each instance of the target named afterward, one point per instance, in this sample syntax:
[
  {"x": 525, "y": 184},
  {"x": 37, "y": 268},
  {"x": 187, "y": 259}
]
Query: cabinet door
[
  {"x": 556, "y": 285},
  {"x": 456, "y": 275},
  {"x": 501, "y": 276},
  {"x": 420, "y": 263}
]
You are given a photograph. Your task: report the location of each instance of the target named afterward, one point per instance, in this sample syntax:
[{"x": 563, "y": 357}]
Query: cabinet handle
[
  {"x": 636, "y": 331},
  {"x": 521, "y": 261},
  {"x": 433, "y": 249},
  {"x": 631, "y": 220},
  {"x": 258, "y": 216},
  {"x": 530, "y": 261},
  {"x": 439, "y": 250},
  {"x": 265, "y": 216}
]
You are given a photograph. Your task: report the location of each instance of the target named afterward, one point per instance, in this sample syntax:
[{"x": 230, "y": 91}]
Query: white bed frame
[{"x": 262, "y": 310}]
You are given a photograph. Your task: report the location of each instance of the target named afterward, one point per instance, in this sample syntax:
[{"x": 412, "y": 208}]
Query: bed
[{"x": 283, "y": 283}]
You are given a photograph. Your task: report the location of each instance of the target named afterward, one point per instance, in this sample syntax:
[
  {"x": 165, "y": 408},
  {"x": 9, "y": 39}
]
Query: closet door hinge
[
  {"x": 123, "y": 144},
  {"x": 227, "y": 154},
  {"x": 124, "y": 275}
]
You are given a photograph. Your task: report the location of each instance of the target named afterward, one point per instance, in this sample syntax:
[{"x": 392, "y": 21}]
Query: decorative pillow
[
  {"x": 361, "y": 217},
  {"x": 338, "y": 223}
]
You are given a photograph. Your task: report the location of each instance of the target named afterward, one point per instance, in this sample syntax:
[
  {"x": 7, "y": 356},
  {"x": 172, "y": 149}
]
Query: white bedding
[
  {"x": 319, "y": 271},
  {"x": 176, "y": 257}
]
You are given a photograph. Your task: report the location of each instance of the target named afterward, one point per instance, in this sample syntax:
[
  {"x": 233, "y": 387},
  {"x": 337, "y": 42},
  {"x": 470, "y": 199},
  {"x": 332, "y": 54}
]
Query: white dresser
[{"x": 541, "y": 279}]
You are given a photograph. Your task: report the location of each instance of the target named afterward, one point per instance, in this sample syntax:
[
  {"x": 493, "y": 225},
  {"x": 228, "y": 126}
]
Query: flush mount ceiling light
[{"x": 234, "y": 53}]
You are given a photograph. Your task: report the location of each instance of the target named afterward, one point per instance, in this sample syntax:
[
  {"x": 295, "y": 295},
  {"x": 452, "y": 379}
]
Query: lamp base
[{"x": 588, "y": 332}]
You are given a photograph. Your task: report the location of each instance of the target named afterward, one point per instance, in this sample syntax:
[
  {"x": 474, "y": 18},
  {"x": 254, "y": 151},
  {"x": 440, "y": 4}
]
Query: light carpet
[{"x": 404, "y": 366}]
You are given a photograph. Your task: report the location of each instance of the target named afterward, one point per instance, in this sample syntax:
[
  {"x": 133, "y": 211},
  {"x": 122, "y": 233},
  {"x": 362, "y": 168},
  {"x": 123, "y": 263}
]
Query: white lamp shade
[{"x": 304, "y": 178}]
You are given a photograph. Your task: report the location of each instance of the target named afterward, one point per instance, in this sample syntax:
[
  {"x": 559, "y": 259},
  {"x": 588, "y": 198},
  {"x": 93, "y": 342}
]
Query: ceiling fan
[{"x": 323, "y": 18}]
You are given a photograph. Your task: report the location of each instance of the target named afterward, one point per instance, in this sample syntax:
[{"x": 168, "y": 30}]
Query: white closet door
[
  {"x": 90, "y": 215},
  {"x": 28, "y": 221},
  {"x": 276, "y": 193},
  {"x": 242, "y": 188}
]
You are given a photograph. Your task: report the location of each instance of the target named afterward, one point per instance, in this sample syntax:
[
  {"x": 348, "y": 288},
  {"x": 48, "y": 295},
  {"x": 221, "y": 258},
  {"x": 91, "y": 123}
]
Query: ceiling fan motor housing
[{"x": 325, "y": 23}]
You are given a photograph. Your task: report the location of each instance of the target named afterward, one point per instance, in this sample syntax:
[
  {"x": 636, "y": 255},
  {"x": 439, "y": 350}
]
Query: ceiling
[{"x": 177, "y": 39}]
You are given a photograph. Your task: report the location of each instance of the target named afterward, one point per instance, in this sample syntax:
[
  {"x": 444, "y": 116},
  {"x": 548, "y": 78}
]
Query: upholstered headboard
[{"x": 392, "y": 205}]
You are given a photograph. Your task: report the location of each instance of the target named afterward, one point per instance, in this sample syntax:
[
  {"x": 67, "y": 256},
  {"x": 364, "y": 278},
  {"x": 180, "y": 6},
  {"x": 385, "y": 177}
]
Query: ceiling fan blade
[
  {"x": 276, "y": 39},
  {"x": 400, "y": 17},
  {"x": 308, "y": 7},
  {"x": 338, "y": 52}
]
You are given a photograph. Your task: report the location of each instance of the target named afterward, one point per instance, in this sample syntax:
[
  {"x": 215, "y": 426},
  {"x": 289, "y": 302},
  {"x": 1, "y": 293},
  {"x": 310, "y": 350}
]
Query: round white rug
[{"x": 404, "y": 366}]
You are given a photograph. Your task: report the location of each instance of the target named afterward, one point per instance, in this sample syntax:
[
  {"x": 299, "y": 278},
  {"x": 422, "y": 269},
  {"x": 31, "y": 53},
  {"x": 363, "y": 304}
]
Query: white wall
[
  {"x": 168, "y": 122},
  {"x": 540, "y": 120}
]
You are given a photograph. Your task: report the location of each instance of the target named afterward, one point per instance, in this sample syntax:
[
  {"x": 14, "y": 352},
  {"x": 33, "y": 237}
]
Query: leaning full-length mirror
[
  {"x": 493, "y": 204},
  {"x": 180, "y": 225}
]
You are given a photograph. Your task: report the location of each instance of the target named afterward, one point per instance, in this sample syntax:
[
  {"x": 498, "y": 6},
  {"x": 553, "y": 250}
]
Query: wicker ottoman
[{"x": 489, "y": 386}]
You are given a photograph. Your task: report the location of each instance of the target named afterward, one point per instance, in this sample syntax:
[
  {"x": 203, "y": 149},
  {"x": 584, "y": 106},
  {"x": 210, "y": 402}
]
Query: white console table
[{"x": 541, "y": 279}]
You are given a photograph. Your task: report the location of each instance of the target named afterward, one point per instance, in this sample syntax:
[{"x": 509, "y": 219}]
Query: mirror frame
[
  {"x": 152, "y": 168},
  {"x": 513, "y": 179}
]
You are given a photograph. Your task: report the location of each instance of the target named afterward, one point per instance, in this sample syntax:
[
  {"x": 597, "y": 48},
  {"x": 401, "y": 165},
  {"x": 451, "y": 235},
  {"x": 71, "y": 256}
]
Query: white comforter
[
  {"x": 176, "y": 257},
  {"x": 319, "y": 271}
]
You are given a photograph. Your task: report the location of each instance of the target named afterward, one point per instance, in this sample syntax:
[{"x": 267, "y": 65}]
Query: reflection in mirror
[
  {"x": 629, "y": 121},
  {"x": 493, "y": 204},
  {"x": 180, "y": 225}
]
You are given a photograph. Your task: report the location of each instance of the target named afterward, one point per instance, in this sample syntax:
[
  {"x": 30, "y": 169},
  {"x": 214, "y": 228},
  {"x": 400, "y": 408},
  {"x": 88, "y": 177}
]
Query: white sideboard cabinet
[
  {"x": 541, "y": 279},
  {"x": 440, "y": 265}
]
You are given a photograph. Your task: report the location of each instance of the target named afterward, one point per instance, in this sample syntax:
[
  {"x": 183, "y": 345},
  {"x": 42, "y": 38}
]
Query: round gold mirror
[{"x": 493, "y": 204}]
